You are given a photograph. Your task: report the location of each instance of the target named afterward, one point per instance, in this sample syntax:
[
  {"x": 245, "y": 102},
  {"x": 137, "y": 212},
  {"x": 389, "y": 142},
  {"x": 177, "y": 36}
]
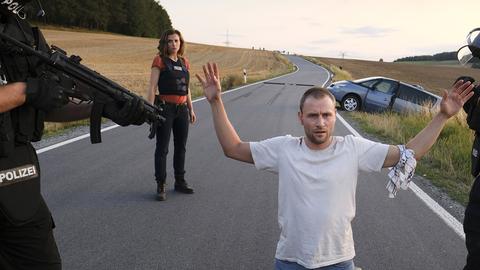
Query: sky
[{"x": 366, "y": 29}]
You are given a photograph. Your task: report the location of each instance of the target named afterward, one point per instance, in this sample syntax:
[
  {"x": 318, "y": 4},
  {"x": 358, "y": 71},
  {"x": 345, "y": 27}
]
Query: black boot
[
  {"x": 182, "y": 186},
  {"x": 161, "y": 194}
]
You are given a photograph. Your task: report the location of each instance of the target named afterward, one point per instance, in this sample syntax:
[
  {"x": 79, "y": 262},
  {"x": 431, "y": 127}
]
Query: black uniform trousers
[
  {"x": 177, "y": 120},
  {"x": 27, "y": 243},
  {"x": 471, "y": 227},
  {"x": 30, "y": 245}
]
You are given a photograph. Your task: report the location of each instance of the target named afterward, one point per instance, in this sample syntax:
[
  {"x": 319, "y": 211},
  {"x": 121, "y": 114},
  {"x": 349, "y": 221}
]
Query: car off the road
[{"x": 379, "y": 94}]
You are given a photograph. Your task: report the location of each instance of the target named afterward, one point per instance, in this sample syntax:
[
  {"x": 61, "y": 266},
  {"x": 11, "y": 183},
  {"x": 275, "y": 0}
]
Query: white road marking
[
  {"x": 51, "y": 147},
  {"x": 451, "y": 221}
]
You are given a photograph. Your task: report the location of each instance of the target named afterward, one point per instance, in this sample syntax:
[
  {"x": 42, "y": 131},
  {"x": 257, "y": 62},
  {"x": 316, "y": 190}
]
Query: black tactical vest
[
  {"x": 19, "y": 171},
  {"x": 472, "y": 108},
  {"x": 174, "y": 79}
]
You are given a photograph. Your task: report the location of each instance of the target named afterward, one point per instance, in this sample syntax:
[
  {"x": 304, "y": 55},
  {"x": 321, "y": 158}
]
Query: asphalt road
[{"x": 103, "y": 198}]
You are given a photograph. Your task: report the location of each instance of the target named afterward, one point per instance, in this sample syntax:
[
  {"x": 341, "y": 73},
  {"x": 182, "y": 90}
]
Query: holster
[{"x": 475, "y": 156}]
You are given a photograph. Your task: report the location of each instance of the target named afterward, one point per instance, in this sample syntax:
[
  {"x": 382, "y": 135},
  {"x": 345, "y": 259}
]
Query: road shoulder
[{"x": 456, "y": 209}]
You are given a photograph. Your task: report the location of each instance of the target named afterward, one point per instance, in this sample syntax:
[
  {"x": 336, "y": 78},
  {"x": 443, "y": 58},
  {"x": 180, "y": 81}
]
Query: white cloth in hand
[{"x": 401, "y": 175}]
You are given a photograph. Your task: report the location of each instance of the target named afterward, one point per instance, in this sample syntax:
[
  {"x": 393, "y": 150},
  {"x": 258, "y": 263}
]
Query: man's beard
[{"x": 315, "y": 140}]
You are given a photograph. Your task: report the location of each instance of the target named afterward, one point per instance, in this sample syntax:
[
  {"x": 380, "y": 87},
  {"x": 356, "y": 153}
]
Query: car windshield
[{"x": 366, "y": 82}]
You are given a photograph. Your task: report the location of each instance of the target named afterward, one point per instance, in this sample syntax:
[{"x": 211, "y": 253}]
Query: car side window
[
  {"x": 387, "y": 87},
  {"x": 369, "y": 84},
  {"x": 426, "y": 99}
]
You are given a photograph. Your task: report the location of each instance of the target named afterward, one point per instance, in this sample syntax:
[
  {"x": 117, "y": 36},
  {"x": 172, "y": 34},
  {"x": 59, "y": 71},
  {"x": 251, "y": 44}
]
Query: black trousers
[
  {"x": 177, "y": 120},
  {"x": 30, "y": 245},
  {"x": 471, "y": 227}
]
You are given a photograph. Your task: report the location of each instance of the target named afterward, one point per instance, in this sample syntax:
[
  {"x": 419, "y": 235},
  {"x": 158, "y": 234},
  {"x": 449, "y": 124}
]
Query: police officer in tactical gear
[
  {"x": 28, "y": 97},
  {"x": 471, "y": 224},
  {"x": 169, "y": 89}
]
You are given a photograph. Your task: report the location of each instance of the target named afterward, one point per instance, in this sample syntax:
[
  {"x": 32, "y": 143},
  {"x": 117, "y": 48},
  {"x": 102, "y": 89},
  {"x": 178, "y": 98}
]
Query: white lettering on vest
[
  {"x": 18, "y": 174},
  {"x": 14, "y": 7}
]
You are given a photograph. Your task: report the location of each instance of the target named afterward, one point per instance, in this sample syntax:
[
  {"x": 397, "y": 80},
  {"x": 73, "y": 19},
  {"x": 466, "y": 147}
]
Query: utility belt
[{"x": 161, "y": 103}]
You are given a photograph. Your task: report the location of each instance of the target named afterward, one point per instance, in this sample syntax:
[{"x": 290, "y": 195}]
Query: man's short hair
[{"x": 317, "y": 93}]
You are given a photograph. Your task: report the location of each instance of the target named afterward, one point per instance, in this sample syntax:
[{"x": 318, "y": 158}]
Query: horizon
[{"x": 348, "y": 29}]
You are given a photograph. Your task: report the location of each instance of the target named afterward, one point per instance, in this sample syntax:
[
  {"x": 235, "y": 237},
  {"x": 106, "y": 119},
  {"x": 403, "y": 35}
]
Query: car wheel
[{"x": 351, "y": 103}]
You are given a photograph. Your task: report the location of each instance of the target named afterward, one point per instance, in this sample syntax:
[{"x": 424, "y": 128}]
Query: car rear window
[{"x": 414, "y": 95}]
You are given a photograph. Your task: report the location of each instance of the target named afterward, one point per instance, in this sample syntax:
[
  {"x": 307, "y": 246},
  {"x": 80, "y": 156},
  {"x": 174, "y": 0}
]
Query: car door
[{"x": 379, "y": 98}]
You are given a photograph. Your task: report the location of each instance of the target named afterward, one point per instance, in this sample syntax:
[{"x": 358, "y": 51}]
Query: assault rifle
[{"x": 86, "y": 85}]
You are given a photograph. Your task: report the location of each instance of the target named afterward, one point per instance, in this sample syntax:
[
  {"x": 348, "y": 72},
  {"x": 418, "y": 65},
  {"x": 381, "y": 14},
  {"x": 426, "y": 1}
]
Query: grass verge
[
  {"x": 339, "y": 74},
  {"x": 447, "y": 164}
]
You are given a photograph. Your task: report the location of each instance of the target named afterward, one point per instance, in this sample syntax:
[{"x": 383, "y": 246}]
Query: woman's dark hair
[{"x": 163, "y": 43}]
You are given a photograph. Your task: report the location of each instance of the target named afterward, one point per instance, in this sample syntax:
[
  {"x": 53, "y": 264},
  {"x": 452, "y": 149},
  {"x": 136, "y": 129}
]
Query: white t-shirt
[{"x": 316, "y": 196}]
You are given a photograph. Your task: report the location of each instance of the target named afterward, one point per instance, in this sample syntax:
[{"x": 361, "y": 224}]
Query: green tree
[{"x": 146, "y": 18}]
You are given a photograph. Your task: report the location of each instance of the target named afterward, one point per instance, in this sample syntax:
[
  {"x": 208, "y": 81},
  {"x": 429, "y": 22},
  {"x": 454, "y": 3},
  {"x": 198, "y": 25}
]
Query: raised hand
[
  {"x": 453, "y": 101},
  {"x": 211, "y": 83}
]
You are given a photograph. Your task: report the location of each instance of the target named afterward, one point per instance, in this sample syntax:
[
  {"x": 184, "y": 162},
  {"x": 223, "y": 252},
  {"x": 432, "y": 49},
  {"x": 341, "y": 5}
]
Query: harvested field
[
  {"x": 432, "y": 78},
  {"x": 126, "y": 60}
]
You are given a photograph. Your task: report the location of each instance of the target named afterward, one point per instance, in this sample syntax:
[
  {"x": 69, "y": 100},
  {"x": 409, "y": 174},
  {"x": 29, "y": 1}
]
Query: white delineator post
[{"x": 244, "y": 75}]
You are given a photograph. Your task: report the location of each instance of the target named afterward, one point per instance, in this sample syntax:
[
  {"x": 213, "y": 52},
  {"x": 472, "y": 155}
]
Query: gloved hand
[
  {"x": 45, "y": 93},
  {"x": 131, "y": 112}
]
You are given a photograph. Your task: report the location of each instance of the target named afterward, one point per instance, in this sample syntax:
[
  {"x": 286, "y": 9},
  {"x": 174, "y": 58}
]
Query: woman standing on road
[{"x": 170, "y": 76}]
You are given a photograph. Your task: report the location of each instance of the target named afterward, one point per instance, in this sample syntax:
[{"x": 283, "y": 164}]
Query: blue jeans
[{"x": 286, "y": 265}]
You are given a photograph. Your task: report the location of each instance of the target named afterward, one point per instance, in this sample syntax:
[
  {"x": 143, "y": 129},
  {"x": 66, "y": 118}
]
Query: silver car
[{"x": 378, "y": 94}]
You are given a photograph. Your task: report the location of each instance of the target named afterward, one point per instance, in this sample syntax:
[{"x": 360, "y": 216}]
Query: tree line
[
  {"x": 444, "y": 56},
  {"x": 144, "y": 18}
]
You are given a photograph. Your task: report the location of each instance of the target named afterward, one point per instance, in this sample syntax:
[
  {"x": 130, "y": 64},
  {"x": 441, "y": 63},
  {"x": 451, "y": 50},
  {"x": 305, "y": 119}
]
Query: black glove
[
  {"x": 131, "y": 112},
  {"x": 45, "y": 93}
]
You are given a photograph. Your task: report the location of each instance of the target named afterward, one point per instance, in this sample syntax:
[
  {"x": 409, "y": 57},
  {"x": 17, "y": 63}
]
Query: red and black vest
[{"x": 174, "y": 78}]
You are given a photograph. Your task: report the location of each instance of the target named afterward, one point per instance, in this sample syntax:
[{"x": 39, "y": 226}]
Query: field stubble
[
  {"x": 127, "y": 60},
  {"x": 432, "y": 78}
]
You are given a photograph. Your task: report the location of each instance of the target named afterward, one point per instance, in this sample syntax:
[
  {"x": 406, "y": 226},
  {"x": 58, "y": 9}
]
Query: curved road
[{"x": 102, "y": 198}]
